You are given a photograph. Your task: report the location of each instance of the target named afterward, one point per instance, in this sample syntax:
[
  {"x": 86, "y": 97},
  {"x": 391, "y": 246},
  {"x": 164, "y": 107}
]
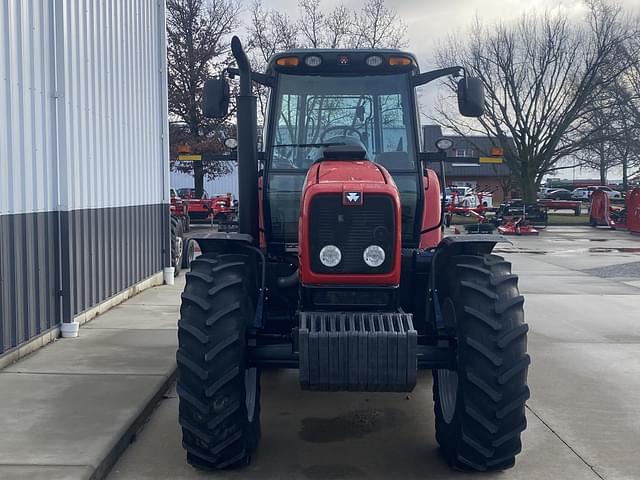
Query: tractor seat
[{"x": 394, "y": 160}]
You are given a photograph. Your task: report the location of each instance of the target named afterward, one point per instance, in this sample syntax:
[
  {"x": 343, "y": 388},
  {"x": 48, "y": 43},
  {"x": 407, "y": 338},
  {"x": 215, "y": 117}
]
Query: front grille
[{"x": 351, "y": 229}]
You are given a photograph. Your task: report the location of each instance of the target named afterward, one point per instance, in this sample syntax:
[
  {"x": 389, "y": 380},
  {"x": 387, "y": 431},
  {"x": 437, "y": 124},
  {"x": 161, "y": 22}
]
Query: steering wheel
[{"x": 345, "y": 129}]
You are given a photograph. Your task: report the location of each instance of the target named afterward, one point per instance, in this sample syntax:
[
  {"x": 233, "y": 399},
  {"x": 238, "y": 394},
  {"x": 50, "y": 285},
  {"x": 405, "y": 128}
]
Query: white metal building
[{"x": 83, "y": 157}]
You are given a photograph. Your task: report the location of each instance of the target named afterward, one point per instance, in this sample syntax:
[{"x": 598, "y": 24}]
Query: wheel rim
[
  {"x": 448, "y": 379},
  {"x": 250, "y": 386},
  {"x": 448, "y": 390},
  {"x": 178, "y": 250}
]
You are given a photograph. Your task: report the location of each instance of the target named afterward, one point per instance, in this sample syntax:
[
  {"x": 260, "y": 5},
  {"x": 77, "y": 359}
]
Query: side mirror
[
  {"x": 470, "y": 97},
  {"x": 215, "y": 98}
]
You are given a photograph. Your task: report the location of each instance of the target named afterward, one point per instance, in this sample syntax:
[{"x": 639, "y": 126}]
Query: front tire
[
  {"x": 480, "y": 408},
  {"x": 219, "y": 394}
]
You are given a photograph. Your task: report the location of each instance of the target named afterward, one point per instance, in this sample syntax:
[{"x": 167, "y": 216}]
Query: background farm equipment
[
  {"x": 602, "y": 213},
  {"x": 471, "y": 204},
  {"x": 519, "y": 218},
  {"x": 556, "y": 205}
]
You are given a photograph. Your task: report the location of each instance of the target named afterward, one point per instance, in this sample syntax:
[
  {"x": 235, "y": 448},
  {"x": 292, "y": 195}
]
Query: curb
[{"x": 130, "y": 431}]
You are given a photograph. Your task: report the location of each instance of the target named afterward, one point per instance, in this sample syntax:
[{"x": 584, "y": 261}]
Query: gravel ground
[{"x": 624, "y": 270}]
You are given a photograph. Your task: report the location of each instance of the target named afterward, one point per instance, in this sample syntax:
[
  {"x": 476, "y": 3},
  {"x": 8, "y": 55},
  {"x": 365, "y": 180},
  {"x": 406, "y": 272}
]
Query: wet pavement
[{"x": 583, "y": 308}]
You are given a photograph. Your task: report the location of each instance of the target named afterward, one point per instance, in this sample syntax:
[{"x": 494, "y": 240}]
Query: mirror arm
[
  {"x": 426, "y": 77},
  {"x": 261, "y": 78}
]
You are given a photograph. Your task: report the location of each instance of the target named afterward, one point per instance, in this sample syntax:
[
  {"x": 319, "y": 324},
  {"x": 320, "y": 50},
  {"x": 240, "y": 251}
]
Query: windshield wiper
[{"x": 326, "y": 144}]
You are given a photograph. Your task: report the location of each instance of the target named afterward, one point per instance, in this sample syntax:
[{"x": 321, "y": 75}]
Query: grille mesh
[{"x": 351, "y": 229}]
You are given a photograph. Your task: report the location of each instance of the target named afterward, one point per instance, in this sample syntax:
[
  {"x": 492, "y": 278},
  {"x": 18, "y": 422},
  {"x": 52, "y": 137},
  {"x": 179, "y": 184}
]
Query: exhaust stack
[{"x": 247, "y": 146}]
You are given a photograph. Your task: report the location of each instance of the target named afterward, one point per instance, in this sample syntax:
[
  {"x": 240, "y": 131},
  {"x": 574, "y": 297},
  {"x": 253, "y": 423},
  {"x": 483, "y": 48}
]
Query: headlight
[
  {"x": 373, "y": 256},
  {"x": 330, "y": 256}
]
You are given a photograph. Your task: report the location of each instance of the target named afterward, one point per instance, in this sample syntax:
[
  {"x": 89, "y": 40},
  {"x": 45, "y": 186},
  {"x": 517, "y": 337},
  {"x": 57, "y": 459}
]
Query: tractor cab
[
  {"x": 339, "y": 268},
  {"x": 340, "y": 102}
]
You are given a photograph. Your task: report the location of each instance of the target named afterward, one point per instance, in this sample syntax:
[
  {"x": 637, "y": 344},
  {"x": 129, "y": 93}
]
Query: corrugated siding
[
  {"x": 111, "y": 249},
  {"x": 28, "y": 277},
  {"x": 113, "y": 110},
  {"x": 83, "y": 156},
  {"x": 224, "y": 184},
  {"x": 27, "y": 127}
]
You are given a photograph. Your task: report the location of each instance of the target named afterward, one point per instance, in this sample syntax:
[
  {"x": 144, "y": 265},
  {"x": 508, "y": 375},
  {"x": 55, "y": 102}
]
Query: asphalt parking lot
[{"x": 582, "y": 290}]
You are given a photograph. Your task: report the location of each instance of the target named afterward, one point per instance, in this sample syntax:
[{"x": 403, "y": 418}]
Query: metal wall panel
[
  {"x": 82, "y": 104},
  {"x": 29, "y": 303},
  {"x": 113, "y": 104},
  {"x": 27, "y": 106},
  {"x": 83, "y": 157},
  {"x": 111, "y": 249}
]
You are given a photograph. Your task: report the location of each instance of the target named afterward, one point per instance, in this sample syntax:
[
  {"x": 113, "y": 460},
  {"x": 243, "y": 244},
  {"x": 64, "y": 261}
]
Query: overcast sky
[{"x": 431, "y": 21}]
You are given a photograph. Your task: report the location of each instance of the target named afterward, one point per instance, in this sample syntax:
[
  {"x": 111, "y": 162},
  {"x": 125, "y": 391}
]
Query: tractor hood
[
  {"x": 350, "y": 171},
  {"x": 344, "y": 203}
]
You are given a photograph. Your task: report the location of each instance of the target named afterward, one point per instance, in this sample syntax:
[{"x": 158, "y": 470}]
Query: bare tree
[
  {"x": 197, "y": 49},
  {"x": 312, "y": 24},
  {"x": 628, "y": 91},
  {"x": 544, "y": 78},
  {"x": 337, "y": 24},
  {"x": 272, "y": 31},
  {"x": 377, "y": 26}
]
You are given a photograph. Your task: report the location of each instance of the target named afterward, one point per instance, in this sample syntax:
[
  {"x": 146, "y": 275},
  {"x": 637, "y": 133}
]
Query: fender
[
  {"x": 221, "y": 241},
  {"x": 446, "y": 249},
  {"x": 239, "y": 243}
]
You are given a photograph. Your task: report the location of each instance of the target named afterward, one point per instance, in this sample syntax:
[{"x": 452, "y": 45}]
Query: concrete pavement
[
  {"x": 68, "y": 410},
  {"x": 583, "y": 414}
]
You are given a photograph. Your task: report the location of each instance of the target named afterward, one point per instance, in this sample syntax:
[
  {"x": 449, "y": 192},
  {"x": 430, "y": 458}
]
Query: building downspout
[
  {"x": 164, "y": 127},
  {"x": 63, "y": 263}
]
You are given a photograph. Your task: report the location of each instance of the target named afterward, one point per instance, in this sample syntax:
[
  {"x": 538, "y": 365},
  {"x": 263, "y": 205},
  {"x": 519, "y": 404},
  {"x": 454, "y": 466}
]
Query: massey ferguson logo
[{"x": 353, "y": 197}]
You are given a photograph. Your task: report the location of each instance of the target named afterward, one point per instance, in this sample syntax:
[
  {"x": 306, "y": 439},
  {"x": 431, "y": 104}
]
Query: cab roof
[{"x": 343, "y": 61}]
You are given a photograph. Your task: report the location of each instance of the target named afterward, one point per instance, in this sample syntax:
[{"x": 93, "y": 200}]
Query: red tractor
[
  {"x": 223, "y": 209},
  {"x": 339, "y": 268}
]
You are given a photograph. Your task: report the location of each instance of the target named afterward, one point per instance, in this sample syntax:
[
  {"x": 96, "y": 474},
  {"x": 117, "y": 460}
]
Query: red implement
[{"x": 517, "y": 227}]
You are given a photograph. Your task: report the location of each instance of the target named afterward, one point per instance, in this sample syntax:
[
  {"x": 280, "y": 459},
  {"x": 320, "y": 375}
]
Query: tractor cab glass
[
  {"x": 312, "y": 111},
  {"x": 309, "y": 113}
]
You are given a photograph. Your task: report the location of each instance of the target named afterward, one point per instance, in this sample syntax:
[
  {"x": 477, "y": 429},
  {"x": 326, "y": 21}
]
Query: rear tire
[
  {"x": 480, "y": 408},
  {"x": 219, "y": 396}
]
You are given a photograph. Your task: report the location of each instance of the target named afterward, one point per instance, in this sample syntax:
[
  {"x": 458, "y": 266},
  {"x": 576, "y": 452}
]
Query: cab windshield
[{"x": 313, "y": 111}]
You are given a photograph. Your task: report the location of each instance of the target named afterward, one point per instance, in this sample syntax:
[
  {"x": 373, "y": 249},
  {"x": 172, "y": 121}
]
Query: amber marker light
[
  {"x": 288, "y": 61},
  {"x": 401, "y": 61}
]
